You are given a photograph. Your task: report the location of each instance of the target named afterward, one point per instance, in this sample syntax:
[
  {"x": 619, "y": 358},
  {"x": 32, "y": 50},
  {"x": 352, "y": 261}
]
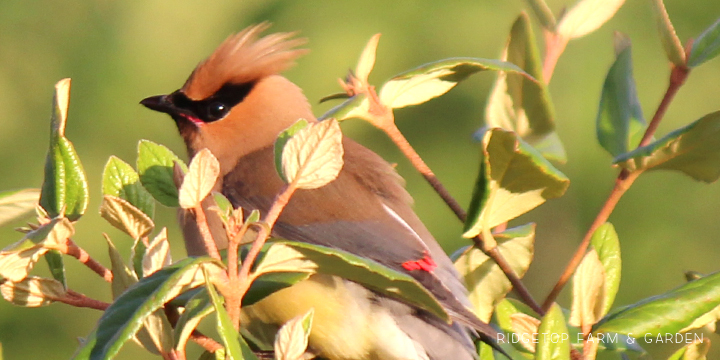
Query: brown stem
[
  {"x": 76, "y": 299},
  {"x": 206, "y": 342},
  {"x": 397, "y": 137},
  {"x": 210, "y": 246},
  {"x": 554, "y": 47},
  {"x": 77, "y": 252},
  {"x": 623, "y": 182},
  {"x": 281, "y": 200}
]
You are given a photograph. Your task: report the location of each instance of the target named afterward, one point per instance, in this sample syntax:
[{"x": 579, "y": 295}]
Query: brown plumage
[{"x": 235, "y": 104}]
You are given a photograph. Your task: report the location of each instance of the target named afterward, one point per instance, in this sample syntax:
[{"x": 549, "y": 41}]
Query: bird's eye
[{"x": 216, "y": 111}]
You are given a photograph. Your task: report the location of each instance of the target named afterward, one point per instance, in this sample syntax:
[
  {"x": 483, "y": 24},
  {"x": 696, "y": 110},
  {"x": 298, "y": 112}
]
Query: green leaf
[
  {"x": 514, "y": 178},
  {"x": 605, "y": 242},
  {"x": 294, "y": 257},
  {"x": 123, "y": 278},
  {"x": 588, "y": 282},
  {"x": 196, "y": 309},
  {"x": 17, "y": 204},
  {"x": 56, "y": 265},
  {"x": 282, "y": 140},
  {"x": 487, "y": 284},
  {"x": 125, "y": 316},
  {"x": 521, "y": 104},
  {"x": 670, "y": 41},
  {"x": 235, "y": 346},
  {"x": 200, "y": 179},
  {"x": 313, "y": 156},
  {"x": 554, "y": 340},
  {"x": 291, "y": 340},
  {"x": 693, "y": 150},
  {"x": 269, "y": 283},
  {"x": 543, "y": 13},
  {"x": 697, "y": 350},
  {"x": 620, "y": 121},
  {"x": 666, "y": 313},
  {"x": 155, "y": 165},
  {"x": 434, "y": 79},
  {"x": 64, "y": 186},
  {"x": 121, "y": 180},
  {"x": 126, "y": 217},
  {"x": 706, "y": 46},
  {"x": 587, "y": 16},
  {"x": 354, "y": 107},
  {"x": 32, "y": 291}
]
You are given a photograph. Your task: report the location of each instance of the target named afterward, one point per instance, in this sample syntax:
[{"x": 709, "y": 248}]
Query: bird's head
[{"x": 234, "y": 102}]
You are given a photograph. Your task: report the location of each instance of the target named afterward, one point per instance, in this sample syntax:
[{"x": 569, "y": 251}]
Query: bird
[{"x": 235, "y": 103}]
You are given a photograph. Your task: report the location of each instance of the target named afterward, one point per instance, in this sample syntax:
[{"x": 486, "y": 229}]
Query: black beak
[{"x": 159, "y": 103}]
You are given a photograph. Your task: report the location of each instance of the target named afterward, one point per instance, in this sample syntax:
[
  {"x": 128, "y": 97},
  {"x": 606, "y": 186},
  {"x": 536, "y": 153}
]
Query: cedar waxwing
[{"x": 235, "y": 103}]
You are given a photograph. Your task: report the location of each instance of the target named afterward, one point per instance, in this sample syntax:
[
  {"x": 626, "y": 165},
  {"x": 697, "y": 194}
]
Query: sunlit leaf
[
  {"x": 155, "y": 165},
  {"x": 706, "y": 46},
  {"x": 121, "y": 180},
  {"x": 367, "y": 59},
  {"x": 126, "y": 315},
  {"x": 282, "y": 256},
  {"x": 693, "y": 150},
  {"x": 65, "y": 184},
  {"x": 32, "y": 291},
  {"x": 587, "y": 16},
  {"x": 196, "y": 309},
  {"x": 17, "y": 204},
  {"x": 354, "y": 107},
  {"x": 123, "y": 278},
  {"x": 292, "y": 338},
  {"x": 122, "y": 215},
  {"x": 514, "y": 178},
  {"x": 485, "y": 280},
  {"x": 157, "y": 254},
  {"x": 235, "y": 346},
  {"x": 666, "y": 313},
  {"x": 520, "y": 104},
  {"x": 587, "y": 290},
  {"x": 697, "y": 350},
  {"x": 201, "y": 177},
  {"x": 313, "y": 156},
  {"x": 16, "y": 260},
  {"x": 525, "y": 326},
  {"x": 670, "y": 41},
  {"x": 434, "y": 79},
  {"x": 605, "y": 242},
  {"x": 282, "y": 140},
  {"x": 620, "y": 121},
  {"x": 553, "y": 341}
]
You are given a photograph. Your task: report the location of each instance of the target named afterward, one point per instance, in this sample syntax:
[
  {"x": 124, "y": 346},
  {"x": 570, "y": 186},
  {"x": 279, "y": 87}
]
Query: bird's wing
[{"x": 365, "y": 211}]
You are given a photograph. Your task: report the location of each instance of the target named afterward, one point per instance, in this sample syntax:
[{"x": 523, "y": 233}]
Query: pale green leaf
[
  {"x": 605, "y": 242},
  {"x": 514, "y": 178},
  {"x": 16, "y": 260},
  {"x": 157, "y": 254},
  {"x": 291, "y": 340},
  {"x": 587, "y": 16},
  {"x": 155, "y": 165},
  {"x": 32, "y": 291},
  {"x": 199, "y": 181},
  {"x": 543, "y": 13},
  {"x": 670, "y": 41},
  {"x": 124, "y": 216},
  {"x": 17, "y": 204},
  {"x": 434, "y": 79},
  {"x": 313, "y": 156},
  {"x": 282, "y": 140},
  {"x": 367, "y": 59},
  {"x": 486, "y": 282},
  {"x": 620, "y": 121},
  {"x": 587, "y": 291},
  {"x": 706, "y": 46},
  {"x": 354, "y": 107},
  {"x": 123, "y": 278},
  {"x": 697, "y": 350},
  {"x": 196, "y": 309},
  {"x": 693, "y": 150},
  {"x": 521, "y": 104},
  {"x": 121, "y": 180},
  {"x": 554, "y": 340}
]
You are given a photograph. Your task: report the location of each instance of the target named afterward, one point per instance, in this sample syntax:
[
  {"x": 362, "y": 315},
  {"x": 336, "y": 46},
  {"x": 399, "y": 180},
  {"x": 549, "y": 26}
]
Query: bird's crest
[{"x": 243, "y": 58}]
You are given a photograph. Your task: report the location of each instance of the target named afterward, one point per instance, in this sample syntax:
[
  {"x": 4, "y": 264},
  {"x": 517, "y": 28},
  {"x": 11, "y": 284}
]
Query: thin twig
[
  {"x": 623, "y": 182},
  {"x": 79, "y": 253},
  {"x": 77, "y": 299},
  {"x": 210, "y": 246}
]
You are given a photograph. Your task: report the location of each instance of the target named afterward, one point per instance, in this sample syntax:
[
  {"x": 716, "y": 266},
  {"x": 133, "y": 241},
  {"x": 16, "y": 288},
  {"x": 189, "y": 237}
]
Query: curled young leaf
[
  {"x": 670, "y": 41},
  {"x": 201, "y": 177},
  {"x": 291, "y": 340},
  {"x": 367, "y": 59},
  {"x": 313, "y": 156},
  {"x": 157, "y": 254},
  {"x": 525, "y": 326},
  {"x": 18, "y": 259},
  {"x": 32, "y": 291},
  {"x": 588, "y": 284},
  {"x": 18, "y": 203},
  {"x": 124, "y": 216},
  {"x": 706, "y": 46}
]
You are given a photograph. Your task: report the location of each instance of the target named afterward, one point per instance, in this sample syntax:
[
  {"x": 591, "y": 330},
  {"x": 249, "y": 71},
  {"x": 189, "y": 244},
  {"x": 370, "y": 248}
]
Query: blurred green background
[{"x": 118, "y": 52}]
